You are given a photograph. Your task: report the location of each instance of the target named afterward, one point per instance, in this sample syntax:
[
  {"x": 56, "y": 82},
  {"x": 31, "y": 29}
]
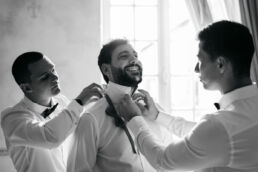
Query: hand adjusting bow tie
[
  {"x": 119, "y": 122},
  {"x": 48, "y": 111}
]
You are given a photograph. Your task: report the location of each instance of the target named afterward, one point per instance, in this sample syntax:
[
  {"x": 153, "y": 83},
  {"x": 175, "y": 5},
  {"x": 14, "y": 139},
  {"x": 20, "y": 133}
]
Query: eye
[
  {"x": 44, "y": 77},
  {"x": 124, "y": 56}
]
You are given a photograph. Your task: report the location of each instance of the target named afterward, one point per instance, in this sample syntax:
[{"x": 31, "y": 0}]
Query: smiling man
[
  {"x": 101, "y": 141},
  {"x": 35, "y": 127}
]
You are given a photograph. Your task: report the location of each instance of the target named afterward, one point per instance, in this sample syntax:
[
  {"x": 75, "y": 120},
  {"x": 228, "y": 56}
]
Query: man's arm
[
  {"x": 206, "y": 146},
  {"x": 21, "y": 128},
  {"x": 176, "y": 125},
  {"x": 83, "y": 147}
]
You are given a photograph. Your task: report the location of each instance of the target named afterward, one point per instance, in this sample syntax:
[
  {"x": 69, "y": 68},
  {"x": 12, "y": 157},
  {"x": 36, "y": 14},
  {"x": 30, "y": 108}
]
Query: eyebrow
[
  {"x": 44, "y": 73},
  {"x": 125, "y": 51}
]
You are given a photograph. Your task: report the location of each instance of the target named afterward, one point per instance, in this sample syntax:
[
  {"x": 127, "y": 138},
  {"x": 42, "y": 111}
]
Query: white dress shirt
[
  {"x": 224, "y": 141},
  {"x": 100, "y": 146},
  {"x": 34, "y": 142}
]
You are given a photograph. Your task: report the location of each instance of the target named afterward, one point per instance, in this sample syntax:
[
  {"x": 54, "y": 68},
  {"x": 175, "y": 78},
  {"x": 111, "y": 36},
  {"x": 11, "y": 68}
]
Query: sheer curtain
[
  {"x": 249, "y": 16},
  {"x": 200, "y": 13},
  {"x": 204, "y": 12}
]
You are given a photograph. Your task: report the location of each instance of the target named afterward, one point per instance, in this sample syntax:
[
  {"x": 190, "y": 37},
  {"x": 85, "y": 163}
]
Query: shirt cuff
[
  {"x": 76, "y": 108},
  {"x": 137, "y": 124}
]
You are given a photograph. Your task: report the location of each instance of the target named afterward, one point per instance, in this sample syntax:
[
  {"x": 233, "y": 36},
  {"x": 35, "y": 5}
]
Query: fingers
[
  {"x": 145, "y": 93},
  {"x": 90, "y": 93},
  {"x": 127, "y": 108},
  {"x": 95, "y": 90},
  {"x": 147, "y": 99},
  {"x": 138, "y": 97}
]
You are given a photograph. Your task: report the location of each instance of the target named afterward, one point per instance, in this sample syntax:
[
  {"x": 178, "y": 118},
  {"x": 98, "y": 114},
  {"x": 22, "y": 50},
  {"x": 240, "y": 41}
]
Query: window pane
[
  {"x": 121, "y": 2},
  {"x": 146, "y": 2},
  {"x": 122, "y": 23},
  {"x": 183, "y": 49},
  {"x": 178, "y": 13},
  {"x": 150, "y": 84},
  {"x": 181, "y": 92},
  {"x": 146, "y": 23},
  {"x": 183, "y": 44},
  {"x": 147, "y": 53}
]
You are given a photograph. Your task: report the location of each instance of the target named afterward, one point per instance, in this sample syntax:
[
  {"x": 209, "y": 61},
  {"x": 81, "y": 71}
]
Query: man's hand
[
  {"x": 127, "y": 108},
  {"x": 146, "y": 104},
  {"x": 90, "y": 93}
]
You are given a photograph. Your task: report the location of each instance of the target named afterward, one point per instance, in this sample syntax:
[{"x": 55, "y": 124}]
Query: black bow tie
[
  {"x": 119, "y": 122},
  {"x": 48, "y": 111},
  {"x": 217, "y": 105}
]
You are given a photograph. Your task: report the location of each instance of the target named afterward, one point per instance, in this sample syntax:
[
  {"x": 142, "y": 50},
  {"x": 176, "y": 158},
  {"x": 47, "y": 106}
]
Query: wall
[{"x": 66, "y": 31}]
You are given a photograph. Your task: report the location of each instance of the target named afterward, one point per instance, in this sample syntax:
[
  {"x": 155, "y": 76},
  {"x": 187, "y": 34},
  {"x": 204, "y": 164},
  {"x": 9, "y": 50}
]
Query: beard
[{"x": 125, "y": 77}]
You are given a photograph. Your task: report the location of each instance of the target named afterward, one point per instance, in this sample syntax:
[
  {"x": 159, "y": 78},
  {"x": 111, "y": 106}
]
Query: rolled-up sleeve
[
  {"x": 206, "y": 145},
  {"x": 21, "y": 128}
]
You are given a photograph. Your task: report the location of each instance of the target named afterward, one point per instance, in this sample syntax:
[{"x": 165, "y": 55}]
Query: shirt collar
[
  {"x": 36, "y": 107},
  {"x": 237, "y": 94},
  {"x": 116, "y": 91}
]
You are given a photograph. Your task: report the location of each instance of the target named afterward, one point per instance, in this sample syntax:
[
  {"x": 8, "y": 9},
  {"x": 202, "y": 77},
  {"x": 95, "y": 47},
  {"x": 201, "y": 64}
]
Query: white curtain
[
  {"x": 200, "y": 13},
  {"x": 204, "y": 12},
  {"x": 249, "y": 16}
]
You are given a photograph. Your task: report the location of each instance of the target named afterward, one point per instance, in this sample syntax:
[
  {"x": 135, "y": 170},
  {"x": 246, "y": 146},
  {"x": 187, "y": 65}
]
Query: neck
[
  {"x": 39, "y": 100},
  {"x": 116, "y": 91},
  {"x": 235, "y": 84}
]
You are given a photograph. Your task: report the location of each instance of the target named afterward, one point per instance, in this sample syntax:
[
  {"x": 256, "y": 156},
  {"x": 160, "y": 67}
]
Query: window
[{"x": 164, "y": 36}]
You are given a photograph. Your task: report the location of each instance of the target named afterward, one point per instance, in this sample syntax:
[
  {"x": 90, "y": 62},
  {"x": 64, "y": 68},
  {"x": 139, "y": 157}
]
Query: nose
[
  {"x": 54, "y": 76},
  {"x": 133, "y": 60},
  {"x": 197, "y": 69}
]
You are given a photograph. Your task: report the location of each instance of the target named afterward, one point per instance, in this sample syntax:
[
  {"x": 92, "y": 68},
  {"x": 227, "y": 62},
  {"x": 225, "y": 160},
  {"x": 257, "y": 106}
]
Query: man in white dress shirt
[
  {"x": 223, "y": 141},
  {"x": 101, "y": 143},
  {"x": 34, "y": 131}
]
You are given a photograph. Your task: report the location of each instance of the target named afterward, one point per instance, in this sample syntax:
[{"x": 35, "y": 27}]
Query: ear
[
  {"x": 105, "y": 68},
  {"x": 26, "y": 88},
  {"x": 221, "y": 64}
]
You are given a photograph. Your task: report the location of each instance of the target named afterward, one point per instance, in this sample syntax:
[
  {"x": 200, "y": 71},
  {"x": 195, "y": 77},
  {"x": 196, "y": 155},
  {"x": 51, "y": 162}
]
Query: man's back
[{"x": 240, "y": 120}]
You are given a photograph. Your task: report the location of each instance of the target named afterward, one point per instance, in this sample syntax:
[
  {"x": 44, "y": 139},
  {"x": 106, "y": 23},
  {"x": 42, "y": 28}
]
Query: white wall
[{"x": 66, "y": 31}]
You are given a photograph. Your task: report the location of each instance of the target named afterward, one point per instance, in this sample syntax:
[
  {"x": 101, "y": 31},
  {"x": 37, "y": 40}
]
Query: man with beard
[
  {"x": 101, "y": 141},
  {"x": 36, "y": 127}
]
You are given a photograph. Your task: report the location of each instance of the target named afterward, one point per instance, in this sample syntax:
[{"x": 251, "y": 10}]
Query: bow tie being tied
[
  {"x": 119, "y": 122},
  {"x": 48, "y": 111}
]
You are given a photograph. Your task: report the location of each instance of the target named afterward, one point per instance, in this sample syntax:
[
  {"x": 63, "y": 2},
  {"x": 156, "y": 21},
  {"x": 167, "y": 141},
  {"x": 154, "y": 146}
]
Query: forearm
[
  {"x": 176, "y": 125},
  {"x": 22, "y": 128},
  {"x": 200, "y": 149}
]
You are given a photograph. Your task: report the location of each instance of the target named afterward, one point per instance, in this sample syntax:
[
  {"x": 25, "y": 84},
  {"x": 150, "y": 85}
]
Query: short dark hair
[
  {"x": 106, "y": 53},
  {"x": 20, "y": 69},
  {"x": 231, "y": 40}
]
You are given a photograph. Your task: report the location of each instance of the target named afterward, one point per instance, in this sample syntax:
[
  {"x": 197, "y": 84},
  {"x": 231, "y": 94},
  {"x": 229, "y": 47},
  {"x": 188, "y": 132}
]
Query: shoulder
[{"x": 18, "y": 108}]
